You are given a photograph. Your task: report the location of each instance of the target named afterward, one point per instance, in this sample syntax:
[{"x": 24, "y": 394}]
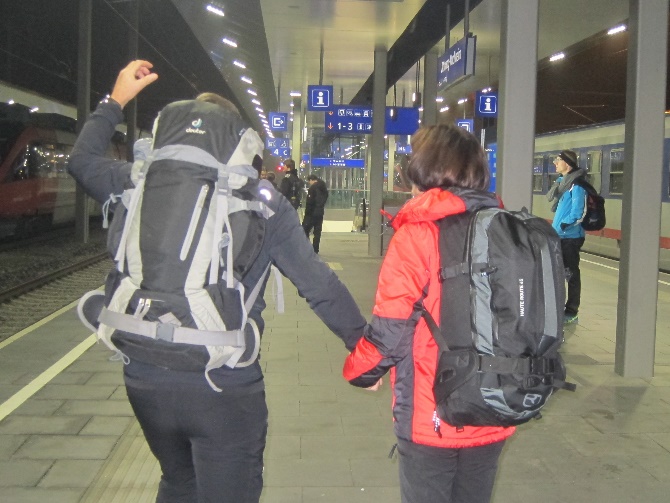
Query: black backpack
[
  {"x": 503, "y": 296},
  {"x": 594, "y": 220}
]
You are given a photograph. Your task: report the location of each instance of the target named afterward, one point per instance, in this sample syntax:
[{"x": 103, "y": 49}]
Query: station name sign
[{"x": 456, "y": 63}]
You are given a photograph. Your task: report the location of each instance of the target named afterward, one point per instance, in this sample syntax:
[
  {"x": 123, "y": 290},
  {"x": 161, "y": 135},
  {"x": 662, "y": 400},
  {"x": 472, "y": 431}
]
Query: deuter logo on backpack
[
  {"x": 498, "y": 353},
  {"x": 196, "y": 124}
]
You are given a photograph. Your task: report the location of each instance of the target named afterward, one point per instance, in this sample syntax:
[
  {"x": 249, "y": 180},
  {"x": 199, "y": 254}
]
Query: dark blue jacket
[{"x": 285, "y": 246}]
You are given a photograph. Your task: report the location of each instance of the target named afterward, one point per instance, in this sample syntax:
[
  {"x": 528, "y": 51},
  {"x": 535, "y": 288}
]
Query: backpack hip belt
[{"x": 170, "y": 332}]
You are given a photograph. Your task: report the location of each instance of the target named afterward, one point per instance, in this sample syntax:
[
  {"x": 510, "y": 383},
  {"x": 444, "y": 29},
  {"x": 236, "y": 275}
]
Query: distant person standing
[
  {"x": 291, "y": 185},
  {"x": 569, "y": 203},
  {"x": 270, "y": 177},
  {"x": 317, "y": 195}
]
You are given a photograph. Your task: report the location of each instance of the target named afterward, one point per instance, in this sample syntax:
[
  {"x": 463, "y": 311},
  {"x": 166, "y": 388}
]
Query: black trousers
[
  {"x": 435, "y": 474},
  {"x": 209, "y": 445},
  {"x": 570, "y": 248},
  {"x": 315, "y": 222}
]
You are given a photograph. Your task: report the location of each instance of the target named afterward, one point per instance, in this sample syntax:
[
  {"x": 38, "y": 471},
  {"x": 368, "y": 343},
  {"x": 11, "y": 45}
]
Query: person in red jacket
[{"x": 437, "y": 462}]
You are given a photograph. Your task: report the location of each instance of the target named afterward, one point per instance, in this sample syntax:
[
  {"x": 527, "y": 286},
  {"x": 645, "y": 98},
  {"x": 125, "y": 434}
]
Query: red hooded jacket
[{"x": 398, "y": 339}]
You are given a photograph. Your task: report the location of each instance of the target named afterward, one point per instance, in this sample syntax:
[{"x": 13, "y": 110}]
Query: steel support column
[
  {"x": 83, "y": 108},
  {"x": 429, "y": 88},
  {"x": 376, "y": 166},
  {"x": 641, "y": 203},
  {"x": 516, "y": 124}
]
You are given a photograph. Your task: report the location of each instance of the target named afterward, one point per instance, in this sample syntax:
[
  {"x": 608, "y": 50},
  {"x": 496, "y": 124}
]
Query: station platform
[{"x": 68, "y": 435}]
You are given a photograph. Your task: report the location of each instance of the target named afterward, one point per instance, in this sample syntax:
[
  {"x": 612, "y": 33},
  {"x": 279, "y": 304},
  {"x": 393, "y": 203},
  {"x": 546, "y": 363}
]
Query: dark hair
[
  {"x": 447, "y": 156},
  {"x": 312, "y": 177},
  {"x": 290, "y": 164},
  {"x": 218, "y": 100},
  {"x": 270, "y": 176}
]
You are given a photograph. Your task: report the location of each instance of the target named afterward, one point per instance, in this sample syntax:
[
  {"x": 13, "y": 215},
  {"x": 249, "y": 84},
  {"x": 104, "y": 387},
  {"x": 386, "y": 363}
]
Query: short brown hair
[
  {"x": 447, "y": 156},
  {"x": 290, "y": 164},
  {"x": 218, "y": 100}
]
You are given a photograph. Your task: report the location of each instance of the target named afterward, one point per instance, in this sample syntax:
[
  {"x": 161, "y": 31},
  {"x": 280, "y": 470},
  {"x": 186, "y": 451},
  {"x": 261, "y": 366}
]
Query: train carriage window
[
  {"x": 593, "y": 168},
  {"x": 616, "y": 170},
  {"x": 538, "y": 172},
  {"x": 42, "y": 160}
]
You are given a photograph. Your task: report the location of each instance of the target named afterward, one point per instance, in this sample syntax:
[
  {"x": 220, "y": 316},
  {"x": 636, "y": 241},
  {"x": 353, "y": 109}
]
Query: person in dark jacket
[
  {"x": 317, "y": 195},
  {"x": 291, "y": 185},
  {"x": 437, "y": 462},
  {"x": 210, "y": 445}
]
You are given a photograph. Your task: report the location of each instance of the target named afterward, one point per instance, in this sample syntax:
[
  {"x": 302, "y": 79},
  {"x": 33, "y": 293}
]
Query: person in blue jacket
[{"x": 569, "y": 204}]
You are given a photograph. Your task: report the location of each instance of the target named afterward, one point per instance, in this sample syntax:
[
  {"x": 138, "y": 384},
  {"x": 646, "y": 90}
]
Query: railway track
[{"x": 24, "y": 304}]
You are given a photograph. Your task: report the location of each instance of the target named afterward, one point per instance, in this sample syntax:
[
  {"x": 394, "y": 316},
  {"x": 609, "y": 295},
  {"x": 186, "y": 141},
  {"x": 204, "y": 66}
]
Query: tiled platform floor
[{"x": 75, "y": 440}]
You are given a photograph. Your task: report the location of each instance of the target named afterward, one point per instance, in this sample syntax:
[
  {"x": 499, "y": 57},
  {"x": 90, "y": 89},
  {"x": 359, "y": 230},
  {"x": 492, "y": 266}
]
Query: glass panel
[
  {"x": 616, "y": 171},
  {"x": 593, "y": 168},
  {"x": 538, "y": 172}
]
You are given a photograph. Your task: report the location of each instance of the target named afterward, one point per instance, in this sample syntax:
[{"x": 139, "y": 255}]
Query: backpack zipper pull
[{"x": 436, "y": 424}]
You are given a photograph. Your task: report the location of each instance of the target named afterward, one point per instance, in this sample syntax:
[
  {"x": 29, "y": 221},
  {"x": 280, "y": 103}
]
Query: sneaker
[{"x": 570, "y": 319}]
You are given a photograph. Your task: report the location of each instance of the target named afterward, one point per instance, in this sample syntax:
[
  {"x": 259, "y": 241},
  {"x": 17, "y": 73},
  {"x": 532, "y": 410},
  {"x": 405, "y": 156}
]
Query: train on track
[
  {"x": 36, "y": 192},
  {"x": 601, "y": 152}
]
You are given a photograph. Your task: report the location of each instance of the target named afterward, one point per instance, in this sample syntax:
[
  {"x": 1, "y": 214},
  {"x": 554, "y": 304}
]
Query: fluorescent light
[
  {"x": 252, "y": 92},
  {"x": 439, "y": 99},
  {"x": 462, "y": 100},
  {"x": 238, "y": 63},
  {"x": 557, "y": 56},
  {"x": 34, "y": 109},
  {"x": 256, "y": 102},
  {"x": 617, "y": 29},
  {"x": 259, "y": 109},
  {"x": 295, "y": 93},
  {"x": 444, "y": 109},
  {"x": 246, "y": 79},
  {"x": 10, "y": 102},
  {"x": 229, "y": 42},
  {"x": 215, "y": 10},
  {"x": 291, "y": 105},
  {"x": 262, "y": 116}
]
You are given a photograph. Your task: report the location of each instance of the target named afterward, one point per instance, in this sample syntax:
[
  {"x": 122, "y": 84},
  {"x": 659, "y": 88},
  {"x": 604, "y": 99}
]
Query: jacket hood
[{"x": 438, "y": 203}]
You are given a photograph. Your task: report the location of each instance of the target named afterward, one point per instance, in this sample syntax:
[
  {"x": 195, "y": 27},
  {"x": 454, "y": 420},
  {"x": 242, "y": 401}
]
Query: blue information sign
[
  {"x": 284, "y": 153},
  {"x": 401, "y": 120},
  {"x": 342, "y": 119},
  {"x": 278, "y": 121},
  {"x": 339, "y": 163},
  {"x": 486, "y": 104},
  {"x": 492, "y": 154},
  {"x": 457, "y": 62},
  {"x": 319, "y": 98},
  {"x": 467, "y": 124},
  {"x": 271, "y": 143}
]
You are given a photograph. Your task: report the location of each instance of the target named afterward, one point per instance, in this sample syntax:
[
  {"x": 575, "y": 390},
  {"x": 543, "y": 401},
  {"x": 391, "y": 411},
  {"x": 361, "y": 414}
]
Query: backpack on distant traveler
[
  {"x": 183, "y": 237},
  {"x": 594, "y": 219},
  {"x": 501, "y": 317}
]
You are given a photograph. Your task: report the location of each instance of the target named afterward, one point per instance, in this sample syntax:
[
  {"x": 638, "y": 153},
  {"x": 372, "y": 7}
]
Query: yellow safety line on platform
[
  {"x": 36, "y": 325},
  {"x": 43, "y": 379},
  {"x": 335, "y": 266}
]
